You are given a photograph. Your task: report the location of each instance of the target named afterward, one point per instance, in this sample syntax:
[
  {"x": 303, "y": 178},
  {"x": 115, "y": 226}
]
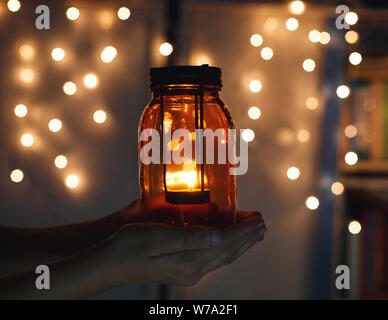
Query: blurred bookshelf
[{"x": 364, "y": 130}]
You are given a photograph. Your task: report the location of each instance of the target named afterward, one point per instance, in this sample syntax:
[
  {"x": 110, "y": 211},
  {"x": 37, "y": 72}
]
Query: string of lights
[
  {"x": 312, "y": 103},
  {"x": 27, "y": 75}
]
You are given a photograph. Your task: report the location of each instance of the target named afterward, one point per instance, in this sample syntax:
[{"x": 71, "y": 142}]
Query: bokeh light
[
  {"x": 343, "y": 91},
  {"x": 26, "y": 75},
  {"x": 21, "y": 110},
  {"x": 99, "y": 116},
  {"x": 337, "y": 188},
  {"x": 16, "y": 175},
  {"x": 351, "y": 158},
  {"x": 200, "y": 59},
  {"x": 255, "y": 86},
  {"x": 309, "y": 65},
  {"x": 293, "y": 173},
  {"x": 72, "y": 181},
  {"x": 248, "y": 135},
  {"x": 292, "y": 24},
  {"x": 123, "y": 13},
  {"x": 108, "y": 54},
  {"x": 266, "y": 53},
  {"x": 354, "y": 227},
  {"x": 27, "y": 52},
  {"x": 351, "y": 36},
  {"x": 312, "y": 103},
  {"x": 314, "y": 36},
  {"x": 13, "y": 5},
  {"x": 324, "y": 37},
  {"x": 350, "y": 131},
  {"x": 90, "y": 80},
  {"x": 351, "y": 18},
  {"x": 303, "y": 136},
  {"x": 27, "y": 140},
  {"x": 312, "y": 203},
  {"x": 166, "y": 49},
  {"x": 55, "y": 125},
  {"x": 271, "y": 24},
  {"x": 69, "y": 88},
  {"x": 297, "y": 7},
  {"x": 72, "y": 13},
  {"x": 58, "y": 54},
  {"x": 256, "y": 40},
  {"x": 254, "y": 113},
  {"x": 60, "y": 161},
  {"x": 355, "y": 58}
]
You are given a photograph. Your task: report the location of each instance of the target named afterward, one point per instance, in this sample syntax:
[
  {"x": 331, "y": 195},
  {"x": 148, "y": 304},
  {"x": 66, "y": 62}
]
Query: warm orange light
[
  {"x": 296, "y": 7},
  {"x": 166, "y": 49},
  {"x": 27, "y": 75},
  {"x": 17, "y": 175},
  {"x": 108, "y": 54},
  {"x": 60, "y": 161},
  {"x": 90, "y": 80},
  {"x": 27, "y": 140},
  {"x": 255, "y": 86},
  {"x": 27, "y": 52},
  {"x": 20, "y": 110},
  {"x": 312, "y": 103},
  {"x": 72, "y": 13},
  {"x": 69, "y": 88},
  {"x": 13, "y": 5},
  {"x": 181, "y": 179},
  {"x": 351, "y": 37},
  {"x": 308, "y": 65},
  {"x": 99, "y": 116},
  {"x": 55, "y": 125},
  {"x": 271, "y": 24},
  {"x": 256, "y": 40},
  {"x": 72, "y": 181},
  {"x": 354, "y": 227},
  {"x": 105, "y": 19},
  {"x": 292, "y": 24},
  {"x": 123, "y": 13},
  {"x": 325, "y": 37},
  {"x": 58, "y": 54}
]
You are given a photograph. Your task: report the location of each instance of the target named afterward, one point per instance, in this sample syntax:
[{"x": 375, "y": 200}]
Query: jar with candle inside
[{"x": 185, "y": 165}]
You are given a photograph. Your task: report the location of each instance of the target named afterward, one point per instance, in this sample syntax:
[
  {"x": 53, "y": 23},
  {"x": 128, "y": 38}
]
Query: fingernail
[
  {"x": 260, "y": 224},
  {"x": 213, "y": 238},
  {"x": 261, "y": 232}
]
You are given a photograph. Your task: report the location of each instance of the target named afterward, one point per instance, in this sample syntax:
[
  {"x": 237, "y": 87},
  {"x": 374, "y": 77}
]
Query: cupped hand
[{"x": 159, "y": 253}]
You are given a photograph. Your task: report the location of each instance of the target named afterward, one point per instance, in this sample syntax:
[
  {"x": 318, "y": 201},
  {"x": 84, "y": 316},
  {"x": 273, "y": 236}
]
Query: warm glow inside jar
[{"x": 186, "y": 121}]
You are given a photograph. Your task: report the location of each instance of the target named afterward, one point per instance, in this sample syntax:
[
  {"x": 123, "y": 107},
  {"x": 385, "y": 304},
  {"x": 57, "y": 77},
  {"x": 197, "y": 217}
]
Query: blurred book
[{"x": 367, "y": 111}]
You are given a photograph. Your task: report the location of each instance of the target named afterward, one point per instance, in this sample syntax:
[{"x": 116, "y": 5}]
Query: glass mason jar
[{"x": 184, "y": 157}]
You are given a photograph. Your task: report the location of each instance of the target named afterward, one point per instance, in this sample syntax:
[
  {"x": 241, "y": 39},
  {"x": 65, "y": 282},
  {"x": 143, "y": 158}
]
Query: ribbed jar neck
[{"x": 184, "y": 89}]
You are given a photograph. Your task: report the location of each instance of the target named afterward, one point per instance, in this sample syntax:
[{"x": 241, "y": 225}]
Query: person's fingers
[
  {"x": 164, "y": 239},
  {"x": 226, "y": 253},
  {"x": 233, "y": 238},
  {"x": 244, "y": 215},
  {"x": 254, "y": 239},
  {"x": 188, "y": 267},
  {"x": 129, "y": 214},
  {"x": 241, "y": 230}
]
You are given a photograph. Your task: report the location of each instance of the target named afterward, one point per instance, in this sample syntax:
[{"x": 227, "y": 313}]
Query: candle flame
[
  {"x": 188, "y": 178},
  {"x": 182, "y": 178}
]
